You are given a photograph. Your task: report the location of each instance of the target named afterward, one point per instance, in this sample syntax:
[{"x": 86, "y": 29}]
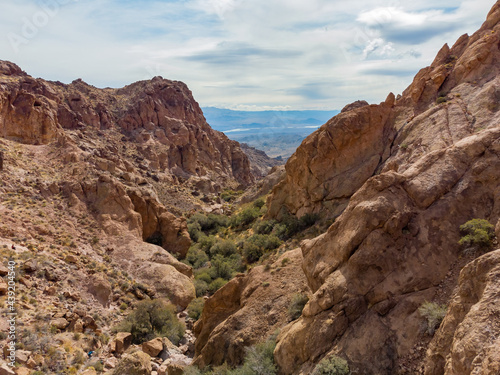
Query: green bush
[
  {"x": 264, "y": 226},
  {"x": 196, "y": 257},
  {"x": 297, "y": 304},
  {"x": 195, "y": 308},
  {"x": 203, "y": 275},
  {"x": 246, "y": 217},
  {"x": 208, "y": 223},
  {"x": 221, "y": 268},
  {"x": 479, "y": 234},
  {"x": 308, "y": 220},
  {"x": 206, "y": 242},
  {"x": 252, "y": 252},
  {"x": 152, "y": 318},
  {"x": 287, "y": 227},
  {"x": 194, "y": 230},
  {"x": 216, "y": 285},
  {"x": 225, "y": 248},
  {"x": 259, "y": 203},
  {"x": 256, "y": 245},
  {"x": 259, "y": 360},
  {"x": 332, "y": 366},
  {"x": 201, "y": 287},
  {"x": 434, "y": 314}
]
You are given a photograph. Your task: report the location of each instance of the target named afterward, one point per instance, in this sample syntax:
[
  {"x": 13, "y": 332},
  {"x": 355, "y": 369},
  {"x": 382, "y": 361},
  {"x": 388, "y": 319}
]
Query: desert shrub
[
  {"x": 264, "y": 226},
  {"x": 259, "y": 359},
  {"x": 192, "y": 370},
  {"x": 479, "y": 234},
  {"x": 433, "y": 313},
  {"x": 308, "y": 220},
  {"x": 210, "y": 222},
  {"x": 332, "y": 365},
  {"x": 216, "y": 285},
  {"x": 194, "y": 230},
  {"x": 441, "y": 99},
  {"x": 230, "y": 195},
  {"x": 297, "y": 304},
  {"x": 221, "y": 268},
  {"x": 252, "y": 252},
  {"x": 195, "y": 308},
  {"x": 206, "y": 242},
  {"x": 225, "y": 248},
  {"x": 256, "y": 245},
  {"x": 287, "y": 227},
  {"x": 244, "y": 218},
  {"x": 201, "y": 287},
  {"x": 203, "y": 275},
  {"x": 152, "y": 318},
  {"x": 196, "y": 257},
  {"x": 259, "y": 203}
]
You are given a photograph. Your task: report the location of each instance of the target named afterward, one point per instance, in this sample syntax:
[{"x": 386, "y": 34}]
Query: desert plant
[
  {"x": 150, "y": 319},
  {"x": 225, "y": 248},
  {"x": 216, "y": 285},
  {"x": 246, "y": 217},
  {"x": 332, "y": 365},
  {"x": 195, "y": 308},
  {"x": 479, "y": 234},
  {"x": 264, "y": 226},
  {"x": 297, "y": 304},
  {"x": 433, "y": 313}
]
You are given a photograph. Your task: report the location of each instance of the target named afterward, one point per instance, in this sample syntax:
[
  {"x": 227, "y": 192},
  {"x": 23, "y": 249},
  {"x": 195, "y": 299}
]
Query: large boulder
[{"x": 138, "y": 363}]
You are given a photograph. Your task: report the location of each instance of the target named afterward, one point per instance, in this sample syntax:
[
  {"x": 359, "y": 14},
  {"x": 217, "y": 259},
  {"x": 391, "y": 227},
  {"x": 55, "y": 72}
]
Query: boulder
[
  {"x": 138, "y": 363},
  {"x": 153, "y": 347},
  {"x": 121, "y": 342},
  {"x": 99, "y": 286}
]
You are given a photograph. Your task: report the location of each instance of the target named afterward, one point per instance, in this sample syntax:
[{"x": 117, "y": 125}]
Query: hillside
[{"x": 398, "y": 179}]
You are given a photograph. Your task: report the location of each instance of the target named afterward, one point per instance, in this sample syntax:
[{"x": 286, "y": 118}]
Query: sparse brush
[{"x": 434, "y": 314}]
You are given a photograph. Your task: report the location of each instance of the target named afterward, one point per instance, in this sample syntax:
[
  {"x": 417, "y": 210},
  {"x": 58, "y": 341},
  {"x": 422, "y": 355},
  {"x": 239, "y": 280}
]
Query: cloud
[
  {"x": 317, "y": 54},
  {"x": 397, "y": 25}
]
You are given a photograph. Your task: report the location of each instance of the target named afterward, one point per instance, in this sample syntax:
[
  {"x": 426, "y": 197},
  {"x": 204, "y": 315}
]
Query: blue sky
[{"x": 239, "y": 54}]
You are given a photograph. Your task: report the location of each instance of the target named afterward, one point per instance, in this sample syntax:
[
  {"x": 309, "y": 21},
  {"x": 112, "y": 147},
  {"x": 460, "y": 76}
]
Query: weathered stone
[
  {"x": 153, "y": 347},
  {"x": 138, "y": 363},
  {"x": 99, "y": 286},
  {"x": 122, "y": 341},
  {"x": 59, "y": 323}
]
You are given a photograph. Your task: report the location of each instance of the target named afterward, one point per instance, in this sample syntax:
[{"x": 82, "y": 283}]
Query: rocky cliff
[
  {"x": 400, "y": 178},
  {"x": 159, "y": 115}
]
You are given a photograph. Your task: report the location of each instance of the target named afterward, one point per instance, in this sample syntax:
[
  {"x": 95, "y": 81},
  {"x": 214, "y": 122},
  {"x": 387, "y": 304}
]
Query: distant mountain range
[{"x": 278, "y": 133}]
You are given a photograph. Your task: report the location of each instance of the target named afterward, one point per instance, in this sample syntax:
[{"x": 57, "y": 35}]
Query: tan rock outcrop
[
  {"x": 100, "y": 288},
  {"x": 151, "y": 265},
  {"x": 333, "y": 162},
  {"x": 138, "y": 363},
  {"x": 153, "y": 347},
  {"x": 467, "y": 341},
  {"x": 247, "y": 310},
  {"x": 121, "y": 342}
]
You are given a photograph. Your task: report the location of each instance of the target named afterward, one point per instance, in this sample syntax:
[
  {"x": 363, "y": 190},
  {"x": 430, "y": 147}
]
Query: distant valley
[{"x": 278, "y": 133}]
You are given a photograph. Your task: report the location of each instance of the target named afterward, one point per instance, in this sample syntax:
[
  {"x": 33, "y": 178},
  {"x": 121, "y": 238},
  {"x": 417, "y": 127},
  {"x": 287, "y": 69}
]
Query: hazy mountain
[{"x": 278, "y": 133}]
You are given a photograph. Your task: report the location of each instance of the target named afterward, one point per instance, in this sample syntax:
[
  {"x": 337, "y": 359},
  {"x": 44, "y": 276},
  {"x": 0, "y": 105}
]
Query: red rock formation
[{"x": 403, "y": 175}]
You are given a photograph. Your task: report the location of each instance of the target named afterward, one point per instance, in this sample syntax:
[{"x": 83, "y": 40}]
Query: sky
[{"x": 239, "y": 54}]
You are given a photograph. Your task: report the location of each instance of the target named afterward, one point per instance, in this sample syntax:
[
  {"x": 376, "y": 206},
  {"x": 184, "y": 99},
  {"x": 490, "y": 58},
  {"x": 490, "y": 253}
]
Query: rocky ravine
[
  {"x": 400, "y": 178},
  {"x": 89, "y": 176}
]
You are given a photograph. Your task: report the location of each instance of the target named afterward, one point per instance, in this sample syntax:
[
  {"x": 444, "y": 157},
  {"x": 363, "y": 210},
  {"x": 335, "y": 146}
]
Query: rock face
[
  {"x": 247, "y": 310},
  {"x": 467, "y": 341},
  {"x": 328, "y": 166},
  {"x": 154, "y": 113},
  {"x": 400, "y": 178}
]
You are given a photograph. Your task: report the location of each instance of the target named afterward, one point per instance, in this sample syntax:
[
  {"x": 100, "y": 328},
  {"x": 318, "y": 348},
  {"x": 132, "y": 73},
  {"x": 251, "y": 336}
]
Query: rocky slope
[
  {"x": 400, "y": 178},
  {"x": 94, "y": 184}
]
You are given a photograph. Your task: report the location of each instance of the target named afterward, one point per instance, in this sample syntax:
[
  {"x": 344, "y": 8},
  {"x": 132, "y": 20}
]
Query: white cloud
[{"x": 242, "y": 54}]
